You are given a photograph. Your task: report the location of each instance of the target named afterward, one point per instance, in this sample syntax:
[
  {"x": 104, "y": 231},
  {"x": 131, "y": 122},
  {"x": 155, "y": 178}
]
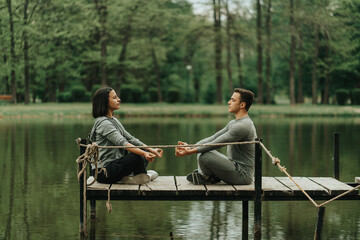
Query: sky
[{"x": 202, "y": 7}]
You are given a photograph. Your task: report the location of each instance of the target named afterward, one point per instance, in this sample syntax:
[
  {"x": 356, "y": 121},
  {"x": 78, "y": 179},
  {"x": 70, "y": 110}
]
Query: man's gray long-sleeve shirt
[
  {"x": 237, "y": 130},
  {"x": 110, "y": 132}
]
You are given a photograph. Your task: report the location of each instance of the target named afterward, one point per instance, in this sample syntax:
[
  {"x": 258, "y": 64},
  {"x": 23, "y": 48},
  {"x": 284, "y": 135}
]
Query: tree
[
  {"x": 292, "y": 54},
  {"x": 12, "y": 51},
  {"x": 267, "y": 52},
  {"x": 101, "y": 8},
  {"x": 259, "y": 52},
  {"x": 228, "y": 48},
  {"x": 127, "y": 35},
  {"x": 218, "y": 49},
  {"x": 5, "y": 77},
  {"x": 26, "y": 53},
  {"x": 300, "y": 72}
]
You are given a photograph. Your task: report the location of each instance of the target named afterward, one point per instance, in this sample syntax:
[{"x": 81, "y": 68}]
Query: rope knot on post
[{"x": 275, "y": 161}]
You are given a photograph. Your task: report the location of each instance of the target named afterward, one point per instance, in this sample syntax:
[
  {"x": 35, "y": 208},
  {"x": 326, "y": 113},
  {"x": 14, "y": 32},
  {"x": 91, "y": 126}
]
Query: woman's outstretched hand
[
  {"x": 149, "y": 156},
  {"x": 157, "y": 151}
]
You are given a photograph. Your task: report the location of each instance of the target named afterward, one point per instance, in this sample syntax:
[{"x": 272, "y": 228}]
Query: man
[{"x": 238, "y": 166}]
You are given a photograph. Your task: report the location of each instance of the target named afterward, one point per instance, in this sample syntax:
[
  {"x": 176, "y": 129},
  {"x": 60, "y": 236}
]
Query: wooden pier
[{"x": 177, "y": 188}]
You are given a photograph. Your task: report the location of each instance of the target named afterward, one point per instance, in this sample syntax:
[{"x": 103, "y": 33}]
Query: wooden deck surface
[{"x": 178, "y": 188}]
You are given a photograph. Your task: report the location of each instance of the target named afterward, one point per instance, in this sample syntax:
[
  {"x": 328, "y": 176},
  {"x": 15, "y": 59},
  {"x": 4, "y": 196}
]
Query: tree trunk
[
  {"x": 268, "y": 56},
  {"x": 157, "y": 73},
  {"x": 196, "y": 88},
  {"x": 12, "y": 52},
  {"x": 259, "y": 53},
  {"x": 6, "y": 78},
  {"x": 292, "y": 55},
  {"x": 26, "y": 55},
  {"x": 218, "y": 46},
  {"x": 228, "y": 50},
  {"x": 325, "y": 99},
  {"x": 237, "y": 48},
  {"x": 122, "y": 57},
  {"x": 314, "y": 68},
  {"x": 52, "y": 90},
  {"x": 300, "y": 81},
  {"x": 102, "y": 12}
]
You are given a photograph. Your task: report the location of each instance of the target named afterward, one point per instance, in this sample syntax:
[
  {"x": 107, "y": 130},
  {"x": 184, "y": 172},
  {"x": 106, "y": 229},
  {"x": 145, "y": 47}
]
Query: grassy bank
[{"x": 79, "y": 110}]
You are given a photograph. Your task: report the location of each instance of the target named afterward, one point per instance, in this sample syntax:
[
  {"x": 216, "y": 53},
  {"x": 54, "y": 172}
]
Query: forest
[{"x": 285, "y": 51}]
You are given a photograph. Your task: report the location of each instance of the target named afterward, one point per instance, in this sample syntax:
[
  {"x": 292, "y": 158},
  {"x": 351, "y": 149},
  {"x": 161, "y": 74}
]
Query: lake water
[{"x": 39, "y": 194}]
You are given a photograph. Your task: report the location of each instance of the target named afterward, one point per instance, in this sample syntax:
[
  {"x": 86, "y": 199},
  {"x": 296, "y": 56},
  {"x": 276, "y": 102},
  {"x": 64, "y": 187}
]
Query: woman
[{"x": 108, "y": 131}]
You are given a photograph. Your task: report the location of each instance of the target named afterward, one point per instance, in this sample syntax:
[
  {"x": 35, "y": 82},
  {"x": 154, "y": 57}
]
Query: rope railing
[{"x": 92, "y": 152}]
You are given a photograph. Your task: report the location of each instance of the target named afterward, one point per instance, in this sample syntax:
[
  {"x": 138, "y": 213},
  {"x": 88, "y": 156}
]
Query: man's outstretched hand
[{"x": 182, "y": 151}]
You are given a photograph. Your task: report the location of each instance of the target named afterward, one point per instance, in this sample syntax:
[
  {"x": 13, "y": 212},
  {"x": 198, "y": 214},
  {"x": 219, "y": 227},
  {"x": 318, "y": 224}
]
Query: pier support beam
[
  {"x": 319, "y": 223},
  {"x": 258, "y": 191},
  {"x": 336, "y": 156},
  {"x": 245, "y": 220},
  {"x": 81, "y": 182}
]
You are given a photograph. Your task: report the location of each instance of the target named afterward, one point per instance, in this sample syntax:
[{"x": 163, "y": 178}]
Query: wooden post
[
  {"x": 336, "y": 156},
  {"x": 92, "y": 209},
  {"x": 258, "y": 191},
  {"x": 245, "y": 220},
  {"x": 319, "y": 224},
  {"x": 92, "y": 201},
  {"x": 81, "y": 183}
]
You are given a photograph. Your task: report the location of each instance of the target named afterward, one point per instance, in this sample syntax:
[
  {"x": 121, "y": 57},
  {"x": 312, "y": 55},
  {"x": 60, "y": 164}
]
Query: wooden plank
[
  {"x": 311, "y": 188},
  {"x": 220, "y": 189},
  {"x": 357, "y": 179},
  {"x": 272, "y": 187},
  {"x": 98, "y": 186},
  {"x": 245, "y": 190},
  {"x": 124, "y": 187},
  {"x": 333, "y": 186},
  {"x": 185, "y": 188},
  {"x": 124, "y": 190},
  {"x": 161, "y": 186}
]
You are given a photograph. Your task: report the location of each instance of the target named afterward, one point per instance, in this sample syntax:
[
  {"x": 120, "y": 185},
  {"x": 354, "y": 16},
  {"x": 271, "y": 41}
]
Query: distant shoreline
[{"x": 83, "y": 110}]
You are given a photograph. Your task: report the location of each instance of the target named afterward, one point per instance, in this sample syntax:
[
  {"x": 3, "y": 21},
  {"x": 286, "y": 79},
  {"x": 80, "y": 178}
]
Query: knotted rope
[{"x": 90, "y": 156}]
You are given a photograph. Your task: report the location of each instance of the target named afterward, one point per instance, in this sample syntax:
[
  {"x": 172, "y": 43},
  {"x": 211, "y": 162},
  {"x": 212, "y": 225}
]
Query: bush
[
  {"x": 173, "y": 95},
  {"x": 355, "y": 96},
  {"x": 131, "y": 93},
  {"x": 64, "y": 97},
  {"x": 79, "y": 94},
  {"x": 153, "y": 94},
  {"x": 342, "y": 95}
]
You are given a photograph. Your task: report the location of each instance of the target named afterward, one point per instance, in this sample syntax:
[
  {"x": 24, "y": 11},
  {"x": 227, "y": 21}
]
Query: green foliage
[
  {"x": 149, "y": 41},
  {"x": 95, "y": 88},
  {"x": 342, "y": 96},
  {"x": 173, "y": 95},
  {"x": 210, "y": 94},
  {"x": 131, "y": 93},
  {"x": 355, "y": 96}
]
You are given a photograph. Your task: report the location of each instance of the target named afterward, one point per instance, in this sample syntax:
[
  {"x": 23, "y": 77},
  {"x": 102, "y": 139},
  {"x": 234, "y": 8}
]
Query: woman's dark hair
[{"x": 100, "y": 102}]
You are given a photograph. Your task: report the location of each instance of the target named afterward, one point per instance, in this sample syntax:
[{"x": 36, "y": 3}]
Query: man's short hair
[
  {"x": 246, "y": 96},
  {"x": 100, "y": 102}
]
